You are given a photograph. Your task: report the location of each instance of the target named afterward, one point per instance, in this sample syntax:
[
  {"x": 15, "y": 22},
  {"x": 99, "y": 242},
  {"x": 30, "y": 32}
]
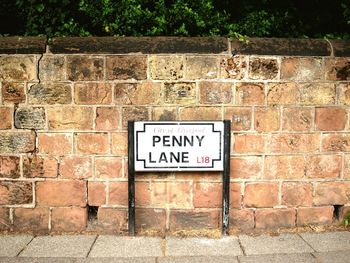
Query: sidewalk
[{"x": 332, "y": 247}]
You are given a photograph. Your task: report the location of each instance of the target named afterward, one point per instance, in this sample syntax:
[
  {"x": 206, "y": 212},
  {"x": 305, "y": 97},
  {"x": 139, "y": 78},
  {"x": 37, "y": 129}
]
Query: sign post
[{"x": 179, "y": 146}]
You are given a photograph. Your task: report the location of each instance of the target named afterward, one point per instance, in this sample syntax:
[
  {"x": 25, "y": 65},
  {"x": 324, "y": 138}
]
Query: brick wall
[{"x": 63, "y": 137}]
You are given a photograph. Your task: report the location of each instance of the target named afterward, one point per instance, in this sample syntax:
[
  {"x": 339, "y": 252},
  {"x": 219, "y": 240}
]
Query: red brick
[
  {"x": 112, "y": 219},
  {"x": 171, "y": 194},
  {"x": 9, "y": 167},
  {"x": 266, "y": 119},
  {"x": 180, "y": 220},
  {"x": 75, "y": 167},
  {"x": 107, "y": 118},
  {"x": 6, "y": 116},
  {"x": 296, "y": 194},
  {"x": 294, "y": 143},
  {"x": 330, "y": 119},
  {"x": 69, "y": 219},
  {"x": 70, "y": 118},
  {"x": 55, "y": 143},
  {"x": 261, "y": 195},
  {"x": 13, "y": 92},
  {"x": 34, "y": 220},
  {"x": 96, "y": 193},
  {"x": 16, "y": 193},
  {"x": 241, "y": 118},
  {"x": 143, "y": 193},
  {"x": 347, "y": 166},
  {"x": 315, "y": 216},
  {"x": 249, "y": 143},
  {"x": 208, "y": 195},
  {"x": 250, "y": 94},
  {"x": 119, "y": 143},
  {"x": 235, "y": 195},
  {"x": 61, "y": 193},
  {"x": 301, "y": 69},
  {"x": 284, "y": 167},
  {"x": 215, "y": 92},
  {"x": 93, "y": 93},
  {"x": 336, "y": 142},
  {"x": 246, "y": 167},
  {"x": 275, "y": 218},
  {"x": 92, "y": 143},
  {"x": 150, "y": 219},
  {"x": 242, "y": 219},
  {"x": 332, "y": 193},
  {"x": 5, "y": 222},
  {"x": 323, "y": 166},
  {"x": 118, "y": 193},
  {"x": 297, "y": 119},
  {"x": 263, "y": 68},
  {"x": 108, "y": 167},
  {"x": 145, "y": 93},
  {"x": 126, "y": 67},
  {"x": 283, "y": 94},
  {"x": 337, "y": 68},
  {"x": 200, "y": 113},
  {"x": 81, "y": 67},
  {"x": 40, "y": 166},
  {"x": 134, "y": 114}
]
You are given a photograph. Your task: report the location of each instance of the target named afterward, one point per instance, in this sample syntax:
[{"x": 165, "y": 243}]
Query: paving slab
[
  {"x": 226, "y": 246},
  {"x": 117, "y": 260},
  {"x": 217, "y": 259},
  {"x": 330, "y": 241},
  {"x": 37, "y": 260},
  {"x": 278, "y": 258},
  {"x": 117, "y": 246},
  {"x": 333, "y": 257},
  {"x": 282, "y": 244},
  {"x": 10, "y": 246},
  {"x": 59, "y": 246}
]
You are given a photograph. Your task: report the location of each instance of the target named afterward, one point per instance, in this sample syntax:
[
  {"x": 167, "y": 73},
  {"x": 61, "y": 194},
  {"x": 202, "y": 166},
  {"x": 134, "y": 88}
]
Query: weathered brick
[
  {"x": 263, "y": 68},
  {"x": 275, "y": 218},
  {"x": 35, "y": 220},
  {"x": 336, "y": 142},
  {"x": 143, "y": 193},
  {"x": 93, "y": 93},
  {"x": 145, "y": 93},
  {"x": 52, "y": 68},
  {"x": 126, "y": 67},
  {"x": 9, "y": 167},
  {"x": 118, "y": 193},
  {"x": 314, "y": 216},
  {"x": 201, "y": 67},
  {"x": 108, "y": 167},
  {"x": 302, "y": 69},
  {"x": 84, "y": 68},
  {"x": 330, "y": 119},
  {"x": 317, "y": 94},
  {"x": 112, "y": 219},
  {"x": 55, "y": 143},
  {"x": 200, "y": 113},
  {"x": 283, "y": 93},
  {"x": 241, "y": 118},
  {"x": 246, "y": 167},
  {"x": 284, "y": 167},
  {"x": 5, "y": 223},
  {"x": 68, "y": 118},
  {"x": 215, "y": 92},
  {"x": 297, "y": 119},
  {"x": 233, "y": 67},
  {"x": 261, "y": 195},
  {"x": 75, "y": 167},
  {"x": 293, "y": 143},
  {"x": 323, "y": 166},
  {"x": 164, "y": 113},
  {"x": 17, "y": 68},
  {"x": 19, "y": 142},
  {"x": 119, "y": 143},
  {"x": 242, "y": 219},
  {"x": 344, "y": 93},
  {"x": 337, "y": 68},
  {"x": 150, "y": 219},
  {"x": 249, "y": 143},
  {"x": 96, "y": 193},
  {"x": 235, "y": 195},
  {"x": 16, "y": 193},
  {"x": 332, "y": 193},
  {"x": 39, "y": 166},
  {"x": 166, "y": 67},
  {"x": 250, "y": 93},
  {"x": 68, "y": 219},
  {"x": 347, "y": 166},
  {"x": 208, "y": 195},
  {"x": 171, "y": 194},
  {"x": 13, "y": 92},
  {"x": 296, "y": 194},
  {"x": 50, "y": 93},
  {"x": 30, "y": 118},
  {"x": 180, "y": 220},
  {"x": 266, "y": 119},
  {"x": 135, "y": 114},
  {"x": 107, "y": 118},
  {"x": 92, "y": 143},
  {"x": 61, "y": 193},
  {"x": 183, "y": 93},
  {"x": 6, "y": 116}
]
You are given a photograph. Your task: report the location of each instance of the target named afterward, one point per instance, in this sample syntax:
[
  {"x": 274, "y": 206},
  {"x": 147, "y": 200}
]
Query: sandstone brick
[
  {"x": 336, "y": 142},
  {"x": 166, "y": 67},
  {"x": 242, "y": 219},
  {"x": 30, "y": 118},
  {"x": 330, "y": 119},
  {"x": 283, "y": 94},
  {"x": 241, "y": 118},
  {"x": 40, "y": 166},
  {"x": 50, "y": 93},
  {"x": 296, "y": 194},
  {"x": 93, "y": 93},
  {"x": 164, "y": 113},
  {"x": 180, "y": 220},
  {"x": 248, "y": 93},
  {"x": 118, "y": 193},
  {"x": 171, "y": 194},
  {"x": 68, "y": 219},
  {"x": 344, "y": 93},
  {"x": 302, "y": 69},
  {"x": 35, "y": 220},
  {"x": 332, "y": 193},
  {"x": 266, "y": 119},
  {"x": 314, "y": 215},
  {"x": 134, "y": 114},
  {"x": 108, "y": 167},
  {"x": 344, "y": 213},
  {"x": 275, "y": 218},
  {"x": 126, "y": 67},
  {"x": 346, "y": 166},
  {"x": 16, "y": 193},
  {"x": 249, "y": 143},
  {"x": 9, "y": 167},
  {"x": 96, "y": 193},
  {"x": 317, "y": 94},
  {"x": 207, "y": 195},
  {"x": 5, "y": 223},
  {"x": 233, "y": 67},
  {"x": 143, "y": 192},
  {"x": 61, "y": 193},
  {"x": 284, "y": 167},
  {"x": 13, "y": 92},
  {"x": 52, "y": 68},
  {"x": 107, "y": 118},
  {"x": 112, "y": 219},
  {"x": 18, "y": 68},
  {"x": 201, "y": 67},
  {"x": 55, "y": 143},
  {"x": 293, "y": 143},
  {"x": 70, "y": 118},
  {"x": 92, "y": 143},
  {"x": 18, "y": 142},
  {"x": 215, "y": 93},
  {"x": 75, "y": 167},
  {"x": 145, "y": 93},
  {"x": 246, "y": 167},
  {"x": 297, "y": 119},
  {"x": 261, "y": 195},
  {"x": 263, "y": 68},
  {"x": 150, "y": 219},
  {"x": 6, "y": 116},
  {"x": 323, "y": 166},
  {"x": 119, "y": 143},
  {"x": 337, "y": 68},
  {"x": 183, "y": 93},
  {"x": 235, "y": 195},
  {"x": 200, "y": 113},
  {"x": 84, "y": 68}
]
